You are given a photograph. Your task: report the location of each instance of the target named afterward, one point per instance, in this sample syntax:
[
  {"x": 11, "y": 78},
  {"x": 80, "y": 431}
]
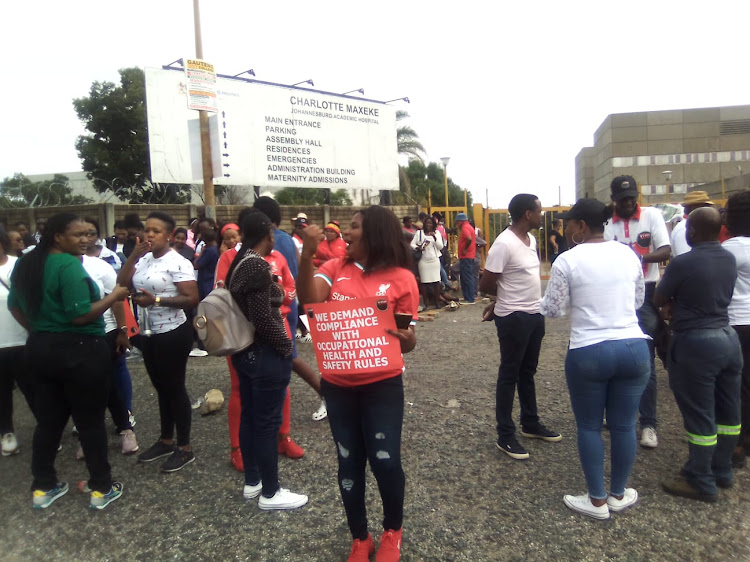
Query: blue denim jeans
[
  {"x": 444, "y": 278},
  {"x": 366, "y": 425},
  {"x": 468, "y": 285},
  {"x": 705, "y": 369},
  {"x": 520, "y": 335},
  {"x": 607, "y": 377},
  {"x": 264, "y": 376},
  {"x": 648, "y": 320}
]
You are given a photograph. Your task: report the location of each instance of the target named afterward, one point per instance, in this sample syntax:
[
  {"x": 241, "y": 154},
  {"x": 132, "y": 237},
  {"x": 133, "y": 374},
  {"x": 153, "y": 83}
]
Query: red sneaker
[
  {"x": 290, "y": 448},
  {"x": 362, "y": 550},
  {"x": 236, "y": 459},
  {"x": 390, "y": 547}
]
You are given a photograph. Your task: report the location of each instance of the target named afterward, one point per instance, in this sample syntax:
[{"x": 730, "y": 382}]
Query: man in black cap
[
  {"x": 705, "y": 361},
  {"x": 644, "y": 231}
]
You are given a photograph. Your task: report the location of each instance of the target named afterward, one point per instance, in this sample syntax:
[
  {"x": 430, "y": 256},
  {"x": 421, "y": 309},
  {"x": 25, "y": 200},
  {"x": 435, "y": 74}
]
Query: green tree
[
  {"x": 114, "y": 150},
  {"x": 430, "y": 179},
  {"x": 407, "y": 139},
  {"x": 20, "y": 191},
  {"x": 408, "y": 145},
  {"x": 311, "y": 196}
]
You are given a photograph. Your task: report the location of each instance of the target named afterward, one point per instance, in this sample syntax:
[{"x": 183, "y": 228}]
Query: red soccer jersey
[
  {"x": 328, "y": 251},
  {"x": 223, "y": 265},
  {"x": 347, "y": 280},
  {"x": 467, "y": 233},
  {"x": 279, "y": 267}
]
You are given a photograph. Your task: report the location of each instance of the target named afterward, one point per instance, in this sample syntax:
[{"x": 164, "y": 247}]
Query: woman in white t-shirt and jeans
[
  {"x": 165, "y": 286},
  {"x": 608, "y": 363},
  {"x": 12, "y": 342},
  {"x": 738, "y": 224}
]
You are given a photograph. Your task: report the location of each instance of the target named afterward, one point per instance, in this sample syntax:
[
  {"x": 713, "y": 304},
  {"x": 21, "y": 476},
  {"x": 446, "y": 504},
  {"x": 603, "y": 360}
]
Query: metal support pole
[{"x": 208, "y": 173}]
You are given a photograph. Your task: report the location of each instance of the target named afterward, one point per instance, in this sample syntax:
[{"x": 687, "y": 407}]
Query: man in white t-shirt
[
  {"x": 512, "y": 274},
  {"x": 644, "y": 231},
  {"x": 693, "y": 200}
]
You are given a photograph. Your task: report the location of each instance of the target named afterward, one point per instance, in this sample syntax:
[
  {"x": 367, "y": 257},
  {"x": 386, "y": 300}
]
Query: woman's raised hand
[{"x": 311, "y": 237}]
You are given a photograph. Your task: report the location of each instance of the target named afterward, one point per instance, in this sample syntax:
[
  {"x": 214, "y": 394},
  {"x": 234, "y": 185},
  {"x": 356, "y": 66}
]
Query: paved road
[{"x": 465, "y": 500}]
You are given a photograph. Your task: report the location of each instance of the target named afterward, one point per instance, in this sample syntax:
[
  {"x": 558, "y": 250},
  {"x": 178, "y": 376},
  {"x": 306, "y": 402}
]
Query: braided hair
[
  {"x": 255, "y": 227},
  {"x": 28, "y": 274}
]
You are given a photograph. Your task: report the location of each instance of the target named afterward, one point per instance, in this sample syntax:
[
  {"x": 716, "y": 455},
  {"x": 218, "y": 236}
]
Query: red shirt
[
  {"x": 328, "y": 251},
  {"x": 279, "y": 267},
  {"x": 467, "y": 234},
  {"x": 348, "y": 280}
]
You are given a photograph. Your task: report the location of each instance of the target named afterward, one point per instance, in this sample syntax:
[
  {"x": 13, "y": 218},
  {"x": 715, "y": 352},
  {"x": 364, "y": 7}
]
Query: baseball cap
[
  {"x": 591, "y": 211},
  {"x": 461, "y": 217},
  {"x": 624, "y": 186},
  {"x": 300, "y": 216}
]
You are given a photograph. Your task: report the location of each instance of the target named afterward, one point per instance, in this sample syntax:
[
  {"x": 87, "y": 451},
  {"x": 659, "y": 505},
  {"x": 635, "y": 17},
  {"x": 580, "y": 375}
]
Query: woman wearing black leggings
[
  {"x": 67, "y": 353},
  {"x": 165, "y": 285}
]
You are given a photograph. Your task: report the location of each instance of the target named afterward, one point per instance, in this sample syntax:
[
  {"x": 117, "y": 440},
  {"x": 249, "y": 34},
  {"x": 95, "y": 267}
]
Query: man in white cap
[
  {"x": 644, "y": 231},
  {"x": 300, "y": 223},
  {"x": 693, "y": 200},
  {"x": 467, "y": 251}
]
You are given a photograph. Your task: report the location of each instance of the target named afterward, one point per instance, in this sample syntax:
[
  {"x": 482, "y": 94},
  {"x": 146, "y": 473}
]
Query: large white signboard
[{"x": 271, "y": 136}]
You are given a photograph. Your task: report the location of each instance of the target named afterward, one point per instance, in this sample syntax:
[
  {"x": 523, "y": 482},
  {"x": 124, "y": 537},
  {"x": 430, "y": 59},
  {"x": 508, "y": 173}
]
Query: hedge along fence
[{"x": 108, "y": 213}]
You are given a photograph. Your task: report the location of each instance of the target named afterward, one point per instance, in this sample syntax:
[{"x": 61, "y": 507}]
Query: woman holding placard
[{"x": 366, "y": 410}]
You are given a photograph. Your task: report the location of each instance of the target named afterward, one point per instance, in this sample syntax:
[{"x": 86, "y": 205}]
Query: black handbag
[{"x": 416, "y": 253}]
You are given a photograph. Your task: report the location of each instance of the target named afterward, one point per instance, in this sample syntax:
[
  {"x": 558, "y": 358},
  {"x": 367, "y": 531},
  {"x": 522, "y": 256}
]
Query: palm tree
[
  {"x": 407, "y": 143},
  {"x": 406, "y": 139}
]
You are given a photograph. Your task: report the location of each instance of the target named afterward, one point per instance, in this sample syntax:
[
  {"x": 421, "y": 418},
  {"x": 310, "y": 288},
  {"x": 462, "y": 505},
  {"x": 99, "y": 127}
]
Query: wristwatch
[
  {"x": 124, "y": 329},
  {"x": 157, "y": 301}
]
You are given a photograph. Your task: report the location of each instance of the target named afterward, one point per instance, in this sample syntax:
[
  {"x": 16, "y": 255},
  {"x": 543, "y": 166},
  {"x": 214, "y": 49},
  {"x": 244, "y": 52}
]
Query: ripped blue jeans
[{"x": 366, "y": 425}]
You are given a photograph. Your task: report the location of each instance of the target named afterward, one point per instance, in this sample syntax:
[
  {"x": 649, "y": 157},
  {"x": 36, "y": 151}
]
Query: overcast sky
[{"x": 509, "y": 91}]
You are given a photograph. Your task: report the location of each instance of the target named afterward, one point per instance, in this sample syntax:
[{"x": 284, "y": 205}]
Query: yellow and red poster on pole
[
  {"x": 350, "y": 337},
  {"x": 201, "y": 85}
]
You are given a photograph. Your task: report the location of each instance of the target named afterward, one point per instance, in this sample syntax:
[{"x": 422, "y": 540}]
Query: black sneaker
[
  {"x": 178, "y": 461},
  {"x": 156, "y": 451},
  {"x": 511, "y": 448},
  {"x": 541, "y": 432}
]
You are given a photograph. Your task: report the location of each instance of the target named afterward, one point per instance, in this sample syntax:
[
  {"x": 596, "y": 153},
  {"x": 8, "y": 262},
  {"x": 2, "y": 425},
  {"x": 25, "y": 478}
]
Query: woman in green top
[{"x": 56, "y": 301}]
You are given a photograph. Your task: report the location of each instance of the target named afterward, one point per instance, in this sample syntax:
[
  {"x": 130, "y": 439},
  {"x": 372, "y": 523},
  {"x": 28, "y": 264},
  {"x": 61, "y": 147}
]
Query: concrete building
[{"x": 668, "y": 152}]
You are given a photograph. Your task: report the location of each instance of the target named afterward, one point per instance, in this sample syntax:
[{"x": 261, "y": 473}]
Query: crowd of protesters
[{"x": 74, "y": 304}]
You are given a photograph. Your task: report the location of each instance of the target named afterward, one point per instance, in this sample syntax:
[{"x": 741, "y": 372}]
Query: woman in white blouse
[
  {"x": 429, "y": 242},
  {"x": 165, "y": 286},
  {"x": 607, "y": 365}
]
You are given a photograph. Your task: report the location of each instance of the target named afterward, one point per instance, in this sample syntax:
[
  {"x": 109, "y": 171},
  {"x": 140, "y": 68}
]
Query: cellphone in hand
[{"x": 402, "y": 320}]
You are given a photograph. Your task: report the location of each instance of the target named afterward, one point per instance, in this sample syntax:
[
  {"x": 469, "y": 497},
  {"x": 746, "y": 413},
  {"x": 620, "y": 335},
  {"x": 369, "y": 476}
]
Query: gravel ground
[{"x": 465, "y": 500}]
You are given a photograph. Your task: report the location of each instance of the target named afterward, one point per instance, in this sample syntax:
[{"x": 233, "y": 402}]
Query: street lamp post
[
  {"x": 445, "y": 160},
  {"x": 668, "y": 176}
]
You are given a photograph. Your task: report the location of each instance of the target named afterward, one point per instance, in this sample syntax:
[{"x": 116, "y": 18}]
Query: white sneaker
[
  {"x": 250, "y": 492},
  {"x": 322, "y": 412},
  {"x": 282, "y": 499},
  {"x": 9, "y": 444},
  {"x": 582, "y": 504},
  {"x": 198, "y": 352},
  {"x": 648, "y": 438},
  {"x": 630, "y": 497},
  {"x": 128, "y": 442},
  {"x": 80, "y": 455}
]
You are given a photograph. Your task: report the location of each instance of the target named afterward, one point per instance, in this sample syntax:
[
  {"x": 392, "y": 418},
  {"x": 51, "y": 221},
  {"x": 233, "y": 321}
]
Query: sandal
[{"x": 322, "y": 412}]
